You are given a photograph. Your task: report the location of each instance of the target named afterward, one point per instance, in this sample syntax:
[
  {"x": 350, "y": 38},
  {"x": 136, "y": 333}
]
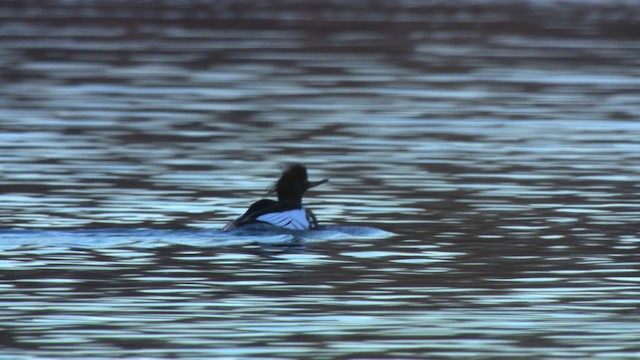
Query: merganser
[{"x": 288, "y": 212}]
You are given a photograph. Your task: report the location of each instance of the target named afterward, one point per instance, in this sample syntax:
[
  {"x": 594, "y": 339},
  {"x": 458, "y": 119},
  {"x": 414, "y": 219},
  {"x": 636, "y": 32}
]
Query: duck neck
[{"x": 290, "y": 200}]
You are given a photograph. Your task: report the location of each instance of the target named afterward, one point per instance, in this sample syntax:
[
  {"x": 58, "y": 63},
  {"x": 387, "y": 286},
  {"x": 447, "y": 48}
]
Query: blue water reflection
[{"x": 483, "y": 158}]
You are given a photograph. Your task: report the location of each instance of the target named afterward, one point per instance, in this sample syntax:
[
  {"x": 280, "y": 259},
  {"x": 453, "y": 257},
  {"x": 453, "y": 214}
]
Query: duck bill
[{"x": 316, "y": 183}]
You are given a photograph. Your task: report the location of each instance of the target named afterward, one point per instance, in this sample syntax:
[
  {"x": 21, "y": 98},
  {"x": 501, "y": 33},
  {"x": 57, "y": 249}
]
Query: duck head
[{"x": 293, "y": 183}]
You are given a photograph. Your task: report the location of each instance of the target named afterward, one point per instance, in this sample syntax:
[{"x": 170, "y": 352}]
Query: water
[{"x": 483, "y": 159}]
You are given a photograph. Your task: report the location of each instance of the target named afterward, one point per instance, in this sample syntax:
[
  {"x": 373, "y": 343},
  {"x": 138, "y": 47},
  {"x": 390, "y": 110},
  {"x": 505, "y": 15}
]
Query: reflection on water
[{"x": 498, "y": 140}]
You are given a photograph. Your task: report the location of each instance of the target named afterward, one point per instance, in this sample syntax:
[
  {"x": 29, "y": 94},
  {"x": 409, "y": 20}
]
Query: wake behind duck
[
  {"x": 266, "y": 222},
  {"x": 153, "y": 238}
]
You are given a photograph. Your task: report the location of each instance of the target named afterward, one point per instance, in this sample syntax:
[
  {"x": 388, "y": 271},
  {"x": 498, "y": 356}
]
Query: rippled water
[{"x": 498, "y": 141}]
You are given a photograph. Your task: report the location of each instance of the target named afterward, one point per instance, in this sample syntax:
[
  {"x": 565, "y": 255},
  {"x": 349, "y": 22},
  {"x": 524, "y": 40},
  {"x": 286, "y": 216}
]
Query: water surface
[{"x": 497, "y": 140}]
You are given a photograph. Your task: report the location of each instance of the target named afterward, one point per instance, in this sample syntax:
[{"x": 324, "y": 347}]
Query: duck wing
[{"x": 288, "y": 215}]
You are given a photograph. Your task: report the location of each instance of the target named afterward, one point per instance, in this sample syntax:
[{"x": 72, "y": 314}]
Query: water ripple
[{"x": 483, "y": 158}]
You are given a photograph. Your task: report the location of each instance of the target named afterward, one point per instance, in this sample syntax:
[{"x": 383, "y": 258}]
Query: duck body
[
  {"x": 288, "y": 212},
  {"x": 281, "y": 214}
]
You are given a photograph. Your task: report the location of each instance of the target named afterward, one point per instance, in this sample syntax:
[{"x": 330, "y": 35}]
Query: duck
[{"x": 287, "y": 212}]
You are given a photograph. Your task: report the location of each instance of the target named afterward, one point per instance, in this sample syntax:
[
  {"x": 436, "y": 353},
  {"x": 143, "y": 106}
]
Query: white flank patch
[{"x": 291, "y": 219}]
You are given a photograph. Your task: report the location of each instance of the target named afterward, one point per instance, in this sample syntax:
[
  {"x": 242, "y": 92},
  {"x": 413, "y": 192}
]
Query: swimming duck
[{"x": 288, "y": 212}]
